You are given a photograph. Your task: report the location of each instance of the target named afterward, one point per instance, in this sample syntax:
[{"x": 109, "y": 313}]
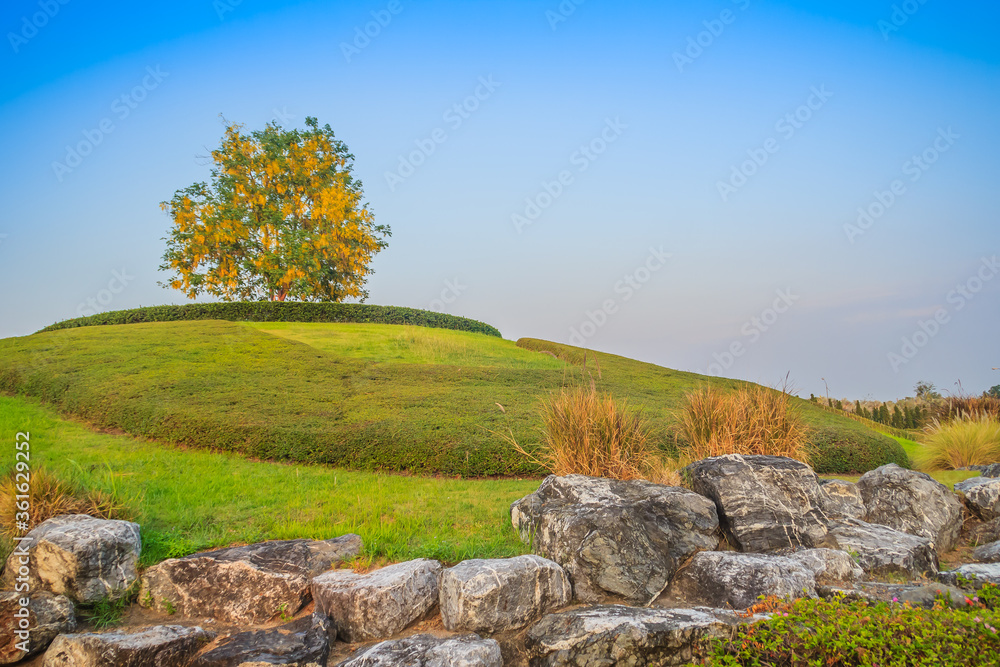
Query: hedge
[
  {"x": 835, "y": 451},
  {"x": 282, "y": 311}
]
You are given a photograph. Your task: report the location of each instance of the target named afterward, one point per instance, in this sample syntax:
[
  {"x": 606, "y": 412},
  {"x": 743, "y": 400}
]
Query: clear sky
[{"x": 744, "y": 188}]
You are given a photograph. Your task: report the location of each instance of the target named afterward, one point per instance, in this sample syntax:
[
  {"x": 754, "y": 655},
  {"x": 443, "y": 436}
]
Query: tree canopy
[{"x": 282, "y": 218}]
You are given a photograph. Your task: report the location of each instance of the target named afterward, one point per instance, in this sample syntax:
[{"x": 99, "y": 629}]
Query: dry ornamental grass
[
  {"x": 964, "y": 441},
  {"x": 49, "y": 496},
  {"x": 588, "y": 433},
  {"x": 751, "y": 420}
]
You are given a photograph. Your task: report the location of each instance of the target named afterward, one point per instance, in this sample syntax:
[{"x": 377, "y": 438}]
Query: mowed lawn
[
  {"x": 358, "y": 396},
  {"x": 187, "y": 500}
]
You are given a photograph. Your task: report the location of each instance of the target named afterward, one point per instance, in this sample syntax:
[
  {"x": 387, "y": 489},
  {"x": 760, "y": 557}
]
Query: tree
[
  {"x": 897, "y": 417},
  {"x": 282, "y": 219},
  {"x": 926, "y": 391},
  {"x": 883, "y": 414},
  {"x": 994, "y": 391}
]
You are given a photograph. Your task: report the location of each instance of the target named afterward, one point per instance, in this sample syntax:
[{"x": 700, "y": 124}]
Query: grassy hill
[{"x": 362, "y": 396}]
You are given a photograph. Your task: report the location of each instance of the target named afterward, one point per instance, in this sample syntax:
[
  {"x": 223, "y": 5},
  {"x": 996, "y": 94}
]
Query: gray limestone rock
[
  {"x": 620, "y": 635},
  {"x": 841, "y": 499},
  {"x": 429, "y": 651},
  {"x": 46, "y": 616},
  {"x": 737, "y": 580},
  {"x": 78, "y": 556},
  {"x": 982, "y": 496},
  {"x": 158, "y": 646},
  {"x": 880, "y": 550},
  {"x": 301, "y": 642},
  {"x": 764, "y": 502},
  {"x": 616, "y": 538},
  {"x": 912, "y": 502},
  {"x": 250, "y": 584},
  {"x": 501, "y": 594},
  {"x": 380, "y": 604}
]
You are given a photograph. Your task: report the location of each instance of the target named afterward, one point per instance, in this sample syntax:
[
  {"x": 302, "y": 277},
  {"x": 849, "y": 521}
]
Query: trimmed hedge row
[
  {"x": 835, "y": 451},
  {"x": 282, "y": 311}
]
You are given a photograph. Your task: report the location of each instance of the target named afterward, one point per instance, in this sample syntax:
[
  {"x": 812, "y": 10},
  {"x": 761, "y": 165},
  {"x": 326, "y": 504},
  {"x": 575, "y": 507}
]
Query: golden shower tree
[{"x": 282, "y": 219}]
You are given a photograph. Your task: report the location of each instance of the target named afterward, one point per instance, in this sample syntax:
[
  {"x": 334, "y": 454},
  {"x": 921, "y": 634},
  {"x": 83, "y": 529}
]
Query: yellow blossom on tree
[{"x": 282, "y": 219}]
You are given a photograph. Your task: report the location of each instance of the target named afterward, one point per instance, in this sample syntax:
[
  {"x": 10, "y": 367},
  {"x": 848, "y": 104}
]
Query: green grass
[
  {"x": 380, "y": 343},
  {"x": 370, "y": 397},
  {"x": 911, "y": 448},
  {"x": 187, "y": 500}
]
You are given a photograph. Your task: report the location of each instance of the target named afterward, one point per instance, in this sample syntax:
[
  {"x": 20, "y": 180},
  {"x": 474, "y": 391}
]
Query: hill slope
[{"x": 363, "y": 396}]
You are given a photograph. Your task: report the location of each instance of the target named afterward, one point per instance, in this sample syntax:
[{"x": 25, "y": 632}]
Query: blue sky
[{"x": 714, "y": 157}]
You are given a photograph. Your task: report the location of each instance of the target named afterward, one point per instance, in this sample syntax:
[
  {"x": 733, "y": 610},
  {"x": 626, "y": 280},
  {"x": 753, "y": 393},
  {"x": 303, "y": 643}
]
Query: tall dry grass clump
[
  {"x": 49, "y": 496},
  {"x": 587, "y": 433},
  {"x": 963, "y": 407},
  {"x": 964, "y": 441},
  {"x": 750, "y": 420}
]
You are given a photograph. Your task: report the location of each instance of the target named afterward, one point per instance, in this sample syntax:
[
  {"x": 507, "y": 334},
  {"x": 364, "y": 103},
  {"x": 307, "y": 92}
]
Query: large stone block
[
  {"x": 765, "y": 502},
  {"x": 379, "y": 604},
  {"x": 912, "y": 502},
  {"x": 615, "y": 538},
  {"x": 79, "y": 556},
  {"x": 501, "y": 594},
  {"x": 250, "y": 584}
]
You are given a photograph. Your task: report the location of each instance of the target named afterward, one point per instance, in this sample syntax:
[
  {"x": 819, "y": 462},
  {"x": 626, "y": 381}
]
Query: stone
[
  {"x": 615, "y": 538},
  {"x": 78, "y": 556},
  {"x": 982, "y": 496},
  {"x": 880, "y": 550},
  {"x": 501, "y": 594},
  {"x": 306, "y": 640},
  {"x": 429, "y": 651},
  {"x": 967, "y": 484},
  {"x": 737, "y": 580},
  {"x": 988, "y": 553},
  {"x": 247, "y": 585},
  {"x": 764, "y": 502},
  {"x": 926, "y": 596},
  {"x": 620, "y": 635},
  {"x": 157, "y": 646},
  {"x": 981, "y": 533},
  {"x": 830, "y": 567},
  {"x": 380, "y": 604},
  {"x": 840, "y": 499},
  {"x": 992, "y": 470},
  {"x": 976, "y": 574},
  {"x": 912, "y": 502},
  {"x": 46, "y": 617}
]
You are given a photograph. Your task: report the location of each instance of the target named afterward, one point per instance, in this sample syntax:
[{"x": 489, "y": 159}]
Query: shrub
[
  {"x": 751, "y": 420},
  {"x": 972, "y": 440},
  {"x": 282, "y": 311},
  {"x": 834, "y": 632},
  {"x": 837, "y": 451},
  {"x": 588, "y": 433}
]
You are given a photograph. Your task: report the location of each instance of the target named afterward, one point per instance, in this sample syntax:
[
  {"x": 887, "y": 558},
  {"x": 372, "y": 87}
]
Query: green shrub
[
  {"x": 822, "y": 632},
  {"x": 836, "y": 451},
  {"x": 282, "y": 311}
]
